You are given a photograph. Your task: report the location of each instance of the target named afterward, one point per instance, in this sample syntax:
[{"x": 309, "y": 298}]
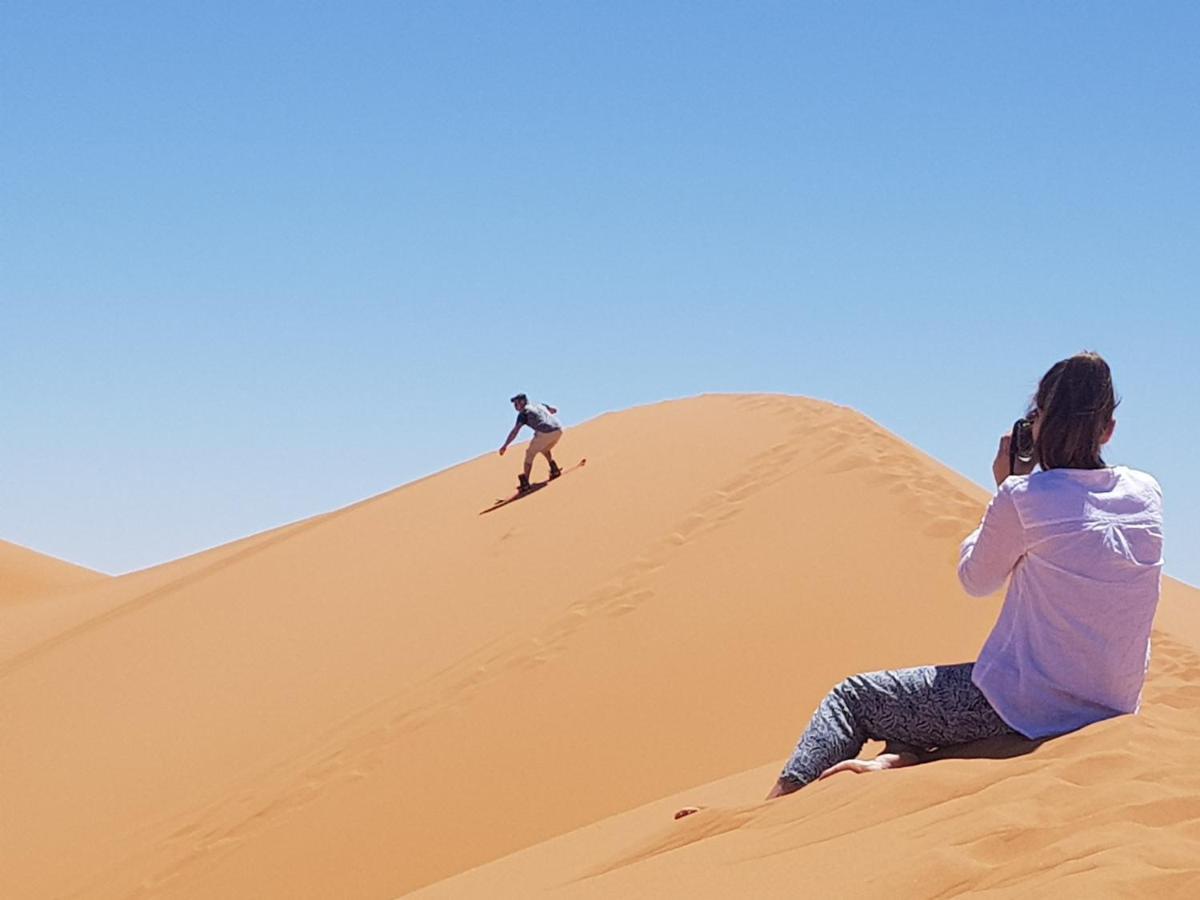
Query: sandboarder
[{"x": 547, "y": 430}]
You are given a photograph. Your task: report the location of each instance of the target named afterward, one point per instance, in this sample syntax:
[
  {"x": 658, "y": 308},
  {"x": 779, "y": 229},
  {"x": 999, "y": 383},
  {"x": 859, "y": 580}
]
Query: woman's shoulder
[
  {"x": 1109, "y": 480},
  {"x": 1140, "y": 479}
]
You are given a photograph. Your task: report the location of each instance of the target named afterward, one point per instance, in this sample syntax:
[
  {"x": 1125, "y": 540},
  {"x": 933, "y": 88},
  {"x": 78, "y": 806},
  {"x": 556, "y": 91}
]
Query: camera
[{"x": 1020, "y": 445}]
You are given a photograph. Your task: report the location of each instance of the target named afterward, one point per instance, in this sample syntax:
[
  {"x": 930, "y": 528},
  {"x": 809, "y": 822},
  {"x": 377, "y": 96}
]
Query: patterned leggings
[{"x": 926, "y": 707}]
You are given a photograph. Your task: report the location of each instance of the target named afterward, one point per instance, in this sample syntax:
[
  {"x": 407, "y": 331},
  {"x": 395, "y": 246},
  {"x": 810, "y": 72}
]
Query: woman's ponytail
[{"x": 1075, "y": 403}]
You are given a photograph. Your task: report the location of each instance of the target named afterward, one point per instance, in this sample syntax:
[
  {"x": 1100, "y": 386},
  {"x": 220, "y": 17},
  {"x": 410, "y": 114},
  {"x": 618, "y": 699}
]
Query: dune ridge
[
  {"x": 399, "y": 692},
  {"x": 28, "y": 575}
]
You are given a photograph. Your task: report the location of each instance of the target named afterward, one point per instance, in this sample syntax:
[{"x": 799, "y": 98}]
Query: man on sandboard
[{"x": 546, "y": 432}]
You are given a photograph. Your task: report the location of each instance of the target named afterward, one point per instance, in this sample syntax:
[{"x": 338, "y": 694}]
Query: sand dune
[
  {"x": 26, "y": 575},
  {"x": 386, "y": 696},
  {"x": 1111, "y": 811}
]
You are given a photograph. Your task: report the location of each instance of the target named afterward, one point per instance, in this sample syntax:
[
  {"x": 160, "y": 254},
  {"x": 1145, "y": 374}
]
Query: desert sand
[
  {"x": 405, "y": 694},
  {"x": 26, "y": 575}
]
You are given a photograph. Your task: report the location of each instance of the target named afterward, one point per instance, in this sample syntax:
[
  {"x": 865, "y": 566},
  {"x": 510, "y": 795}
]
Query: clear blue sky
[{"x": 260, "y": 260}]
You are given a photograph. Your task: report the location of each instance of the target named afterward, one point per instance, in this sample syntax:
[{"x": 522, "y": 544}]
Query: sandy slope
[
  {"x": 1111, "y": 811},
  {"x": 26, "y": 575},
  {"x": 382, "y": 697}
]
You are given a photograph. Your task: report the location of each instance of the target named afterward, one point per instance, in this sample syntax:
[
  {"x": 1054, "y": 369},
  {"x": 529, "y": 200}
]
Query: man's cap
[{"x": 514, "y": 399}]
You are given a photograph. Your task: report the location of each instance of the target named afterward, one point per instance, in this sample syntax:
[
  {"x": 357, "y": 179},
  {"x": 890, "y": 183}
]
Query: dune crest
[
  {"x": 27, "y": 575},
  {"x": 380, "y": 698}
]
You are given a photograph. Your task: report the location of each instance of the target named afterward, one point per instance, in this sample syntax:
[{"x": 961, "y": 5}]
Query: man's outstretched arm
[{"x": 508, "y": 440}]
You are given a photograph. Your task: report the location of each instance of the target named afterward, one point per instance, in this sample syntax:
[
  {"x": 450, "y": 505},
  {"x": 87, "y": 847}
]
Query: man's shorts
[{"x": 541, "y": 443}]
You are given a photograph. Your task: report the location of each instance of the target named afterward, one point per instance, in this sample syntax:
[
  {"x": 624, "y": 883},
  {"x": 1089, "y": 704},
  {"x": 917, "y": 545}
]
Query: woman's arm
[{"x": 991, "y": 550}]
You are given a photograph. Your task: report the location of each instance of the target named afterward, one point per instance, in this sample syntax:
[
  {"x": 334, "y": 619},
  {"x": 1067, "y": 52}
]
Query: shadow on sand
[
  {"x": 533, "y": 489},
  {"x": 1004, "y": 747}
]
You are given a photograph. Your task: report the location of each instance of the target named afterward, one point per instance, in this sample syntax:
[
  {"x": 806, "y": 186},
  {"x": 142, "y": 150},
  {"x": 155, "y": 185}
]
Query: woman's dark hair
[{"x": 1075, "y": 402}]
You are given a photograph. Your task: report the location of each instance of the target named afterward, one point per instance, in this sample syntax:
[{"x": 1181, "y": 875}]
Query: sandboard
[{"x": 533, "y": 489}]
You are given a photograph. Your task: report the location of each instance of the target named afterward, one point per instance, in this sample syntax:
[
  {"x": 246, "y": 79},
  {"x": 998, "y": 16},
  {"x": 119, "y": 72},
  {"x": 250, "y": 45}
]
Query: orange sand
[
  {"x": 26, "y": 575},
  {"x": 385, "y": 696}
]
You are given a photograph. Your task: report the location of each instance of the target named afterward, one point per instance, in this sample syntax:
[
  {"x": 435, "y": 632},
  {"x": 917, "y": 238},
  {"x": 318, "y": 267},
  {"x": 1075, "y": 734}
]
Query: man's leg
[
  {"x": 551, "y": 441},
  {"x": 531, "y": 453},
  {"x": 929, "y": 706}
]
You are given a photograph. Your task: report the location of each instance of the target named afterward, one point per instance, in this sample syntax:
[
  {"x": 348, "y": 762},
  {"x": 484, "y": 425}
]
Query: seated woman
[{"x": 1082, "y": 542}]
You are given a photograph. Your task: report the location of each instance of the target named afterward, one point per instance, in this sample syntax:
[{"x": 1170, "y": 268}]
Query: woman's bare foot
[
  {"x": 895, "y": 756},
  {"x": 878, "y": 764}
]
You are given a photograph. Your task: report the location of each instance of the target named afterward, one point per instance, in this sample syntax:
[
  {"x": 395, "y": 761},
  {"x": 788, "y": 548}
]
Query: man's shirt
[{"x": 537, "y": 417}]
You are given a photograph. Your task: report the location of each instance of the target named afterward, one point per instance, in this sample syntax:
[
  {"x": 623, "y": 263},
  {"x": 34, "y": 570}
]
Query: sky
[{"x": 261, "y": 260}]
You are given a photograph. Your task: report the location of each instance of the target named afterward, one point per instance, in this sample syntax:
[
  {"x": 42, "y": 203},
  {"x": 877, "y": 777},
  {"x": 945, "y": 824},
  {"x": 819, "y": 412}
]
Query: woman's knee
[
  {"x": 854, "y": 694},
  {"x": 852, "y": 686},
  {"x": 843, "y": 694}
]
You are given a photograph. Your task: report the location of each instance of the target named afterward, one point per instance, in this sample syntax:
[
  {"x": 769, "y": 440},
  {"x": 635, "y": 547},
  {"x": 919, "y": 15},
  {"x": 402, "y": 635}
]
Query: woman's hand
[
  {"x": 1000, "y": 463},
  {"x": 879, "y": 764}
]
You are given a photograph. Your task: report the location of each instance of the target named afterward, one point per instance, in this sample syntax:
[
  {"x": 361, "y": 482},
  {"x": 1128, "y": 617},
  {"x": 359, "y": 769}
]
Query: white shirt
[{"x": 1072, "y": 642}]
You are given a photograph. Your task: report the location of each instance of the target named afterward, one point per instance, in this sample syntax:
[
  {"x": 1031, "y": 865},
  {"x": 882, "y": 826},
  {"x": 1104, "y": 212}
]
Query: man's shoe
[
  {"x": 555, "y": 471},
  {"x": 524, "y": 484}
]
